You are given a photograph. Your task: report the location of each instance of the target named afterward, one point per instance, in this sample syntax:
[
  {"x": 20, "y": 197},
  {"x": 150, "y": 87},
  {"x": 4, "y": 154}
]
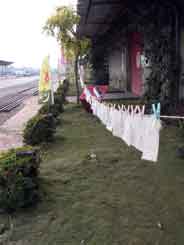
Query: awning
[
  {"x": 5, "y": 63},
  {"x": 98, "y": 16}
]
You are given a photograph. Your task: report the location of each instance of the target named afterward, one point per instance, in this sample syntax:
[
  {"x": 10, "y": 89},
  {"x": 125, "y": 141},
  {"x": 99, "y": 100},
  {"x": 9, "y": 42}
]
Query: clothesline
[
  {"x": 161, "y": 116},
  {"x": 119, "y": 106},
  {"x": 172, "y": 117},
  {"x": 168, "y": 117}
]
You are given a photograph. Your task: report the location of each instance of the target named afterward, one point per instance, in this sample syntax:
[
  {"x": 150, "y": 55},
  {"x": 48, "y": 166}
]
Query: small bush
[
  {"x": 55, "y": 109},
  {"x": 60, "y": 95},
  {"x": 64, "y": 86},
  {"x": 39, "y": 129},
  {"x": 58, "y": 102},
  {"x": 19, "y": 178}
]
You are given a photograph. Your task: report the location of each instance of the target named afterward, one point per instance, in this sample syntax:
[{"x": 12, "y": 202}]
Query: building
[
  {"x": 137, "y": 46},
  {"x": 4, "y": 66}
]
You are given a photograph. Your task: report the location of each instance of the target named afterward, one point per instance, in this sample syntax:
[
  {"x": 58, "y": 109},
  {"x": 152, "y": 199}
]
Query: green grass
[{"x": 114, "y": 199}]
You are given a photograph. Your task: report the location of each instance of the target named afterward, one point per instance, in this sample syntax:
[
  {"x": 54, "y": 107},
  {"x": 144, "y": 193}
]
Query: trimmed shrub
[
  {"x": 55, "y": 109},
  {"x": 39, "y": 129},
  {"x": 60, "y": 95},
  {"x": 19, "y": 170},
  {"x": 64, "y": 86},
  {"x": 59, "y": 101}
]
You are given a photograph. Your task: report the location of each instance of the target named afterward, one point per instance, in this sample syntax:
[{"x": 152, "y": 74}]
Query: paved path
[
  {"x": 17, "y": 81},
  {"x": 11, "y": 130}
]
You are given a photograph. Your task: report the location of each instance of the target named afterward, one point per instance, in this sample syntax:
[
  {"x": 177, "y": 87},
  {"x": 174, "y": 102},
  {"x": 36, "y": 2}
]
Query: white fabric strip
[{"x": 130, "y": 124}]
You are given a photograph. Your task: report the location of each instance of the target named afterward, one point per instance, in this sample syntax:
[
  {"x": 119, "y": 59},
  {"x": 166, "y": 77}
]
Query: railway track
[{"x": 12, "y": 101}]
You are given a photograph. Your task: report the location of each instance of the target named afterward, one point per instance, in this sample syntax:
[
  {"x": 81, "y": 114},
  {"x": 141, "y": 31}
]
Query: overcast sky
[{"x": 21, "y": 37}]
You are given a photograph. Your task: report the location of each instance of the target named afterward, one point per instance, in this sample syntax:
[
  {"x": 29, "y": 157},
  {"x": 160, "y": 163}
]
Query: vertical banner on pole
[
  {"x": 62, "y": 64},
  {"x": 45, "y": 83}
]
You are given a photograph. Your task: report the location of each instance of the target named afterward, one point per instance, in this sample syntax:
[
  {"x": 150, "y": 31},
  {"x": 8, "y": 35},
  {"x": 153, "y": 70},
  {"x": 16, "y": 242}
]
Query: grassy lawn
[{"x": 113, "y": 199}]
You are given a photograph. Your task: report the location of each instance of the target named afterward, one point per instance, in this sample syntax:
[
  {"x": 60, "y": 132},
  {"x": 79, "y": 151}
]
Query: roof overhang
[
  {"x": 5, "y": 63},
  {"x": 97, "y": 16}
]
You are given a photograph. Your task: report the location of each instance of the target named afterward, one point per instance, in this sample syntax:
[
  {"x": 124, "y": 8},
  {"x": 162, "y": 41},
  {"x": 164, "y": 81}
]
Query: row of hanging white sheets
[{"x": 131, "y": 125}]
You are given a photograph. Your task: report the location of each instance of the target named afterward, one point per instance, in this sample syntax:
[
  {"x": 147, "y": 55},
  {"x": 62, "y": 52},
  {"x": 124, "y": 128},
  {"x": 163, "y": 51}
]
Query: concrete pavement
[
  {"x": 17, "y": 81},
  {"x": 11, "y": 130}
]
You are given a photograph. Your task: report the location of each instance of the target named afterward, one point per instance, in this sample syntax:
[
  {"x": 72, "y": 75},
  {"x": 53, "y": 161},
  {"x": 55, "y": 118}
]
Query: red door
[{"x": 135, "y": 62}]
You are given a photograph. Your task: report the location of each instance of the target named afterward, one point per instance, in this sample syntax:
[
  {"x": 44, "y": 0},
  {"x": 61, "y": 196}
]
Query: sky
[{"x": 21, "y": 38}]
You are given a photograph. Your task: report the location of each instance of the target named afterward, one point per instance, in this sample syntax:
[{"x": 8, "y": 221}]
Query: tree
[{"x": 63, "y": 26}]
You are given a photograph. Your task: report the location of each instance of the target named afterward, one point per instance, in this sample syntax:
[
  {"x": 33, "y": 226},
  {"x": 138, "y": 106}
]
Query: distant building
[{"x": 3, "y": 67}]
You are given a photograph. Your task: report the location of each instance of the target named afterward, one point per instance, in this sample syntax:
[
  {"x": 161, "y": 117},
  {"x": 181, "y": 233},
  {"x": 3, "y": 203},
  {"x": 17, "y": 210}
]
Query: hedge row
[
  {"x": 42, "y": 127},
  {"x": 19, "y": 168}
]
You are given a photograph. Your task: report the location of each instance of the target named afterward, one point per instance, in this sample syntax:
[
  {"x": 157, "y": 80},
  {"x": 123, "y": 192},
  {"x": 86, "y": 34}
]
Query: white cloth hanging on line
[
  {"x": 131, "y": 125},
  {"x": 150, "y": 147}
]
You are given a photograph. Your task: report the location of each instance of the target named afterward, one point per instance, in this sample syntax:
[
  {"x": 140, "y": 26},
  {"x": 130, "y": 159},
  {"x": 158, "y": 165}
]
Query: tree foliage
[{"x": 63, "y": 26}]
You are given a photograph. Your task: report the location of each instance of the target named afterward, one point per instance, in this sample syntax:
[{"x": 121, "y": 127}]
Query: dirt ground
[{"x": 111, "y": 198}]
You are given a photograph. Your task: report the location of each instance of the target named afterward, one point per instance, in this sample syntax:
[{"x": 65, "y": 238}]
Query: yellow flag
[{"x": 45, "y": 81}]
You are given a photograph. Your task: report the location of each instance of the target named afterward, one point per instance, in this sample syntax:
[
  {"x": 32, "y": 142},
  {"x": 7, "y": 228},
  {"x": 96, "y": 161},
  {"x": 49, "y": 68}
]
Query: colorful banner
[
  {"x": 45, "y": 83},
  {"x": 63, "y": 58},
  {"x": 62, "y": 64}
]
